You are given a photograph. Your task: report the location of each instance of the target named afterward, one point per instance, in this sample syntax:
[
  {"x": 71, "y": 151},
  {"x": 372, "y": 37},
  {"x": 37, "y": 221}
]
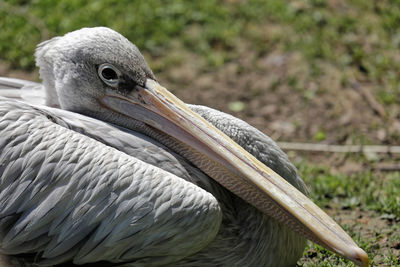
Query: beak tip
[{"x": 360, "y": 257}]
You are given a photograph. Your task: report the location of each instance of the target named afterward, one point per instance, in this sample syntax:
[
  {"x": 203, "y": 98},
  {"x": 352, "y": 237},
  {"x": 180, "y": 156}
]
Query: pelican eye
[{"x": 109, "y": 74}]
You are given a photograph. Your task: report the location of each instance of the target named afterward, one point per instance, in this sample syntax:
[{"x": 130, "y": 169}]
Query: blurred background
[{"x": 301, "y": 71}]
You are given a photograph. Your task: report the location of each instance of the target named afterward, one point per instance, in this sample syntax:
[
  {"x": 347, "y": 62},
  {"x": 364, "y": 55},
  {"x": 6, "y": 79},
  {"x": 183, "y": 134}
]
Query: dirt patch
[
  {"x": 282, "y": 100},
  {"x": 381, "y": 230},
  {"x": 381, "y": 233},
  {"x": 6, "y": 71}
]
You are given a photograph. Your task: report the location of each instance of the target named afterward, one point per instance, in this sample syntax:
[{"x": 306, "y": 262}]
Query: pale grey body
[{"x": 76, "y": 189}]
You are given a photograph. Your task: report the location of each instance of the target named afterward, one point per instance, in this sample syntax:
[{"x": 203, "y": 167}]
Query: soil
[
  {"x": 340, "y": 112},
  {"x": 371, "y": 225}
]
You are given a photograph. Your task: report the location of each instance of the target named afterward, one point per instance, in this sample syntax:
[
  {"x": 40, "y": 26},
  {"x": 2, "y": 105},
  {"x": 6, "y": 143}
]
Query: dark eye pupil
[{"x": 109, "y": 74}]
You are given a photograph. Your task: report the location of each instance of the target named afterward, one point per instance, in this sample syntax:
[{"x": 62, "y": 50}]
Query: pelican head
[
  {"x": 98, "y": 72},
  {"x": 84, "y": 65}
]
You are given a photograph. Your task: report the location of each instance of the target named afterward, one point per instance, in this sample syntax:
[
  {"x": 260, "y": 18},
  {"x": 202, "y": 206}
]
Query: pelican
[{"x": 107, "y": 167}]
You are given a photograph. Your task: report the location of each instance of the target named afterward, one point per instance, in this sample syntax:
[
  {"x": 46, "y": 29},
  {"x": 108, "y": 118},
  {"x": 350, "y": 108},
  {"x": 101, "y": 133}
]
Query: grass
[
  {"x": 375, "y": 199},
  {"x": 330, "y": 45},
  {"x": 350, "y": 191}
]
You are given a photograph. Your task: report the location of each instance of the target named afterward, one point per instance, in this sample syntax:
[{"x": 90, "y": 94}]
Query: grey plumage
[
  {"x": 47, "y": 146},
  {"x": 67, "y": 187},
  {"x": 52, "y": 127},
  {"x": 117, "y": 189}
]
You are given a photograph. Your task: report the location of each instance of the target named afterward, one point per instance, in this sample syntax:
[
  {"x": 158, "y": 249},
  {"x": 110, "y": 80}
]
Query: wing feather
[
  {"x": 255, "y": 142},
  {"x": 67, "y": 197},
  {"x": 30, "y": 92}
]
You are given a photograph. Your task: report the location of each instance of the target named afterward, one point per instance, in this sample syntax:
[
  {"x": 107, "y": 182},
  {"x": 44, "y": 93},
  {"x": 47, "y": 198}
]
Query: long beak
[{"x": 233, "y": 167}]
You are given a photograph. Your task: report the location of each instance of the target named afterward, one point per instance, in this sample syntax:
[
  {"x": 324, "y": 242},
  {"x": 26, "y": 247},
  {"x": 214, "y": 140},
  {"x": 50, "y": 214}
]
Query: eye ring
[{"x": 109, "y": 74}]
